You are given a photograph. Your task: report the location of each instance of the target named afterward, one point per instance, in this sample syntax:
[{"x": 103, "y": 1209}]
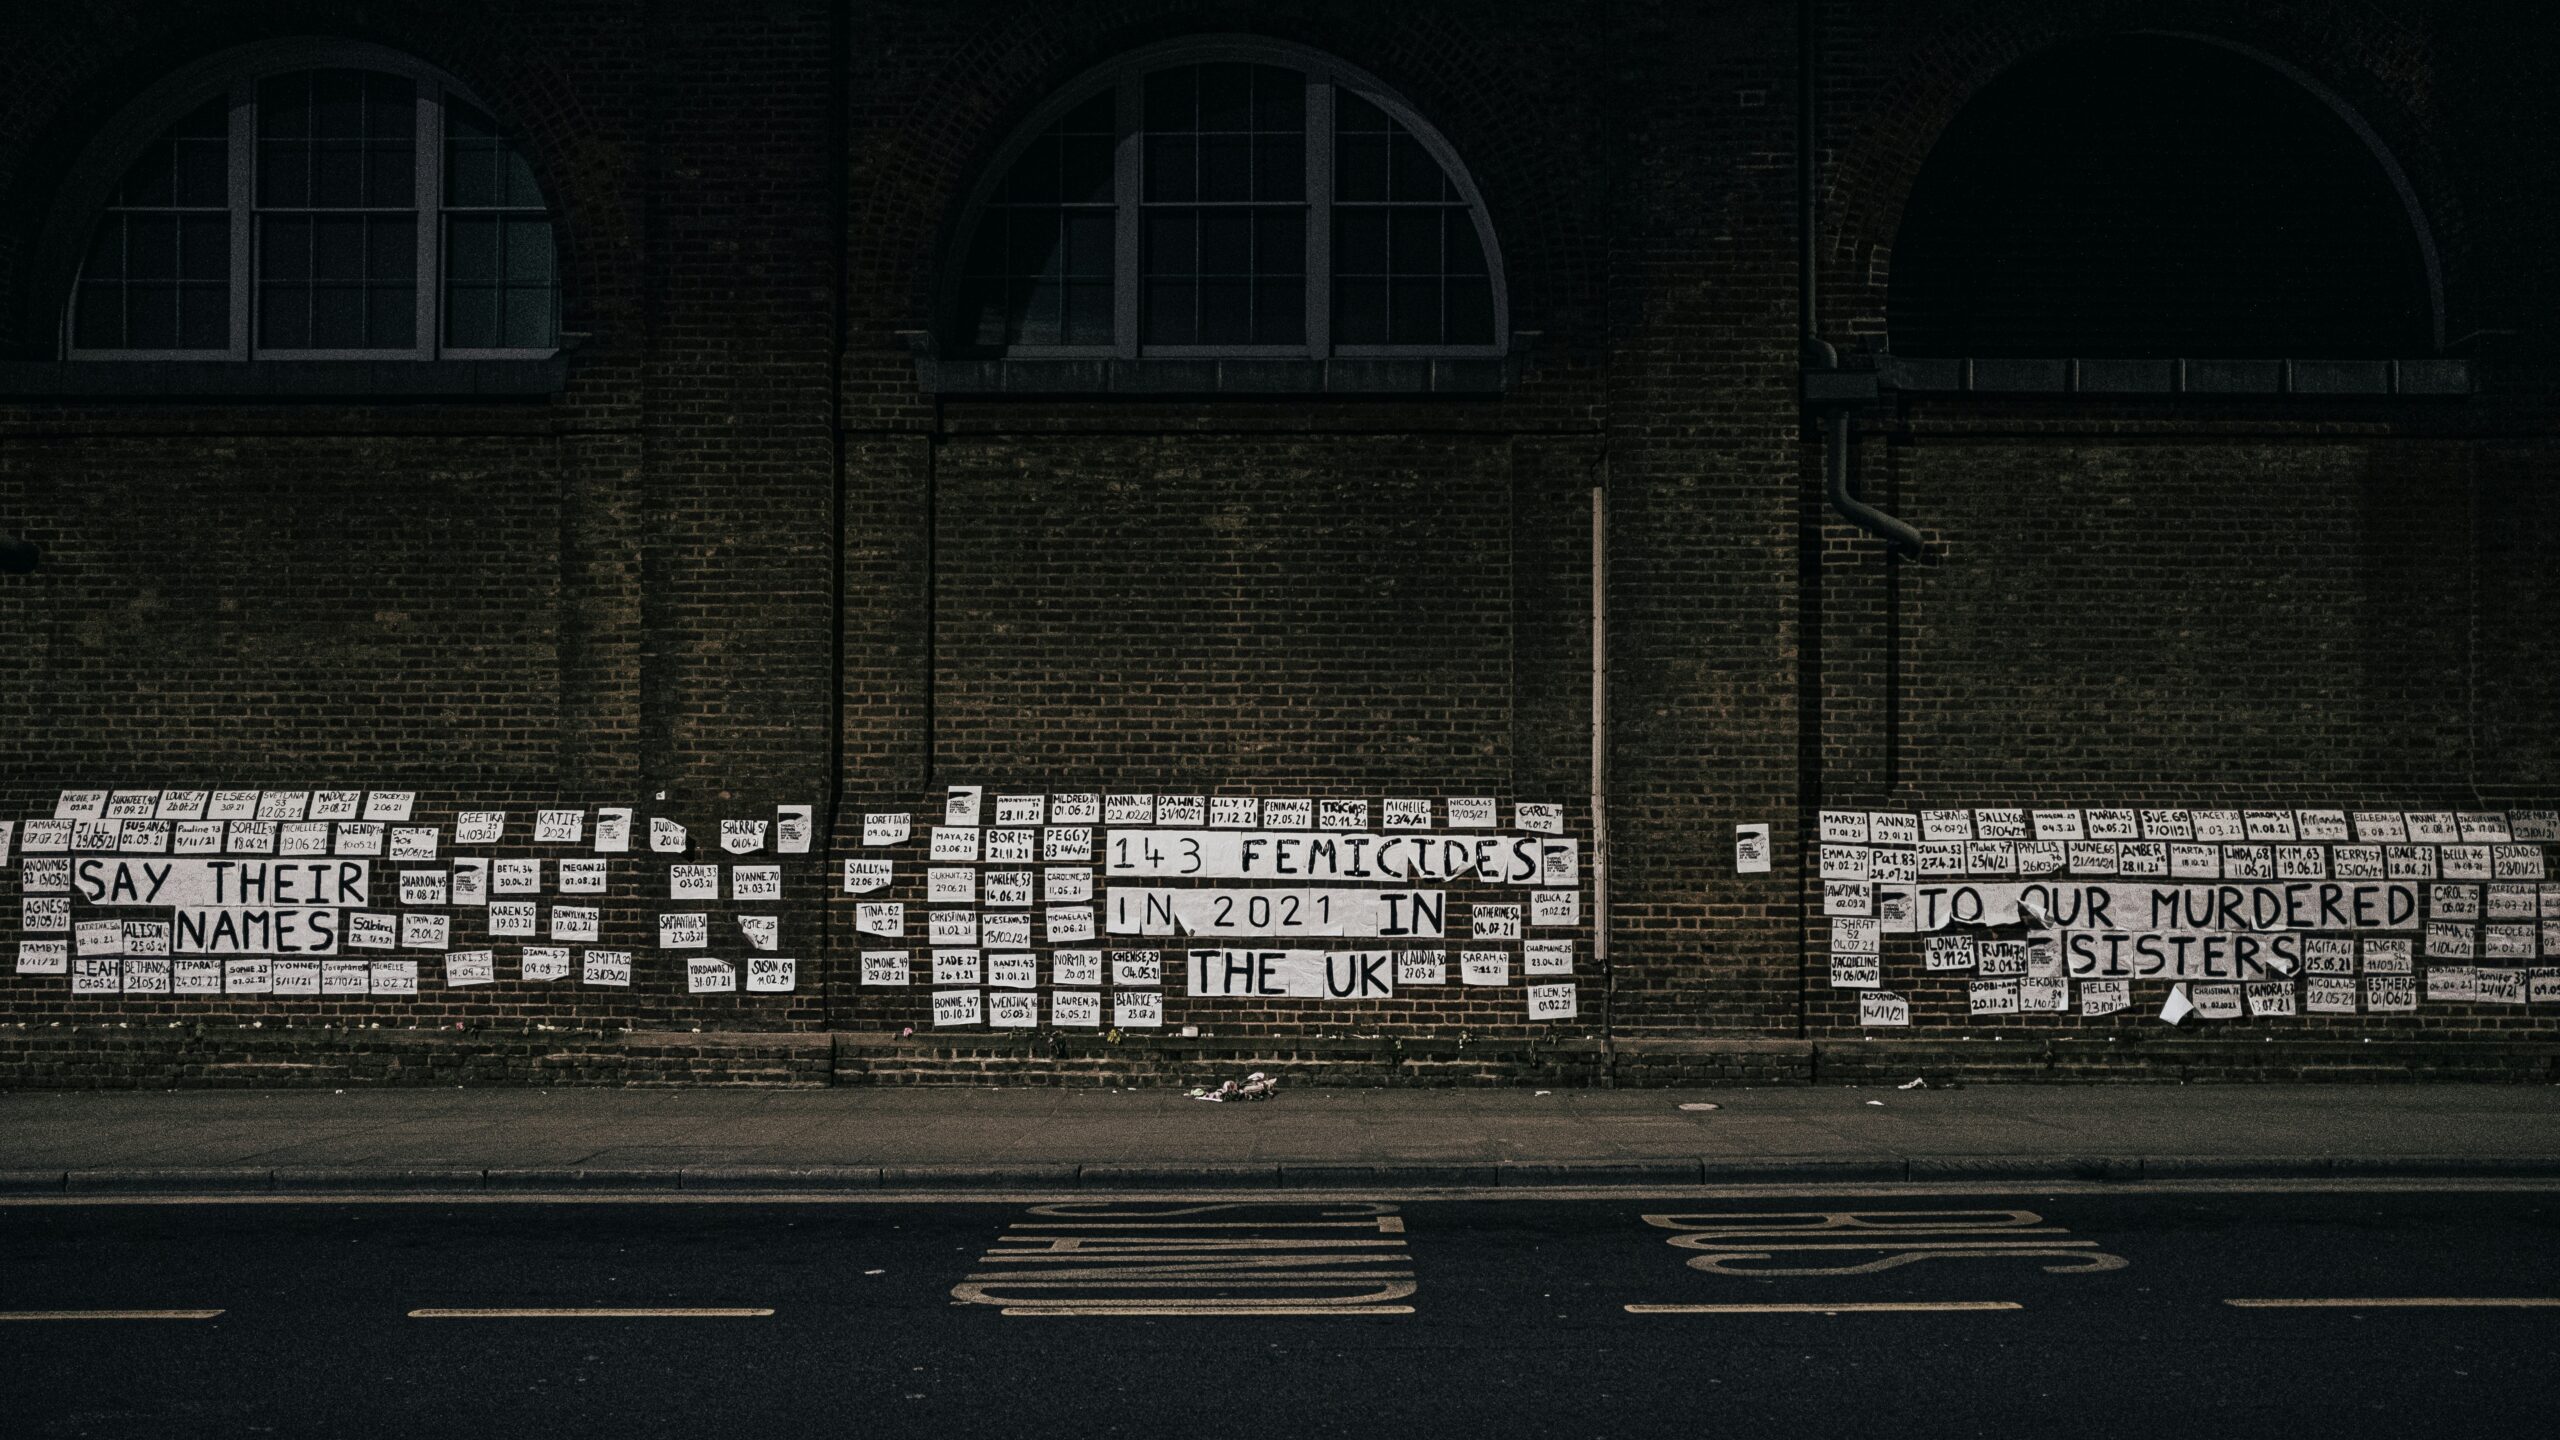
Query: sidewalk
[{"x": 780, "y": 1140}]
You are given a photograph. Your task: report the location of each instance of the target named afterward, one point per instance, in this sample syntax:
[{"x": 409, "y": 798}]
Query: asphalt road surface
[{"x": 1989, "y": 1313}]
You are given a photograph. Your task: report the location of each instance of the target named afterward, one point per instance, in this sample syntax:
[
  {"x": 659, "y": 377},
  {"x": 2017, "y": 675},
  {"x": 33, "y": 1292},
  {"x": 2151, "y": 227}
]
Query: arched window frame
[
  {"x": 234, "y": 76},
  {"x": 1125, "y": 75}
]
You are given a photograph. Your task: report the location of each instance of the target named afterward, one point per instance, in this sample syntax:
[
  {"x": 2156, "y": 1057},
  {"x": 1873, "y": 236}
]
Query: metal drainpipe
[
  {"x": 1817, "y": 354},
  {"x": 1600, "y": 784}
]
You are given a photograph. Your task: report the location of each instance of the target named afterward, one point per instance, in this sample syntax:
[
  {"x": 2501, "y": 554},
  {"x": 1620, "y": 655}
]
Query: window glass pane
[
  {"x": 1410, "y": 268},
  {"x": 159, "y": 263},
  {"x": 204, "y": 248},
  {"x": 391, "y": 316},
  {"x": 529, "y": 259},
  {"x": 1413, "y": 311},
  {"x": 471, "y": 248},
  {"x": 98, "y": 319},
  {"x": 1224, "y": 265},
  {"x": 106, "y": 251},
  {"x": 1172, "y": 314},
  {"x": 1470, "y": 312},
  {"x": 284, "y": 317},
  {"x": 204, "y": 316},
  {"x": 1041, "y": 265},
  {"x": 1172, "y": 168},
  {"x": 470, "y": 315},
  {"x": 532, "y": 322},
  {"x": 337, "y": 316},
  {"x": 151, "y": 316},
  {"x": 1359, "y": 311},
  {"x": 1089, "y": 313}
]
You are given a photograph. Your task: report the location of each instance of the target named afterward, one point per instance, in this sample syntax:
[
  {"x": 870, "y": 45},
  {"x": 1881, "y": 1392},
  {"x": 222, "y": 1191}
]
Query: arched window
[
  {"x": 2154, "y": 197},
  {"x": 313, "y": 201},
  {"x": 1229, "y": 199}
]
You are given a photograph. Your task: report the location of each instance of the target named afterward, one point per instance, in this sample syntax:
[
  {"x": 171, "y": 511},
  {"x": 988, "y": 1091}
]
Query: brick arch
[
  {"x": 2349, "y": 53},
  {"x": 935, "y": 140},
  {"x": 507, "y": 72}
]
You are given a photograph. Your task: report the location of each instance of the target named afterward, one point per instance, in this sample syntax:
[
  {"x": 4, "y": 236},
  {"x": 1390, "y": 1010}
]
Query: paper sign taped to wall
[
  {"x": 792, "y": 828},
  {"x": 607, "y": 967},
  {"x": 960, "y": 805},
  {"x": 1146, "y": 910},
  {"x": 613, "y": 830},
  {"x": 1751, "y": 849},
  {"x": 886, "y": 828},
  {"x": 742, "y": 837},
  {"x": 666, "y": 837}
]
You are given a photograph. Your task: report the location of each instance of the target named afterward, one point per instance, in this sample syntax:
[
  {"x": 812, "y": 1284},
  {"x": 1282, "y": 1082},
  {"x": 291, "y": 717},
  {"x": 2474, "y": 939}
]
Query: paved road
[{"x": 1215, "y": 1316}]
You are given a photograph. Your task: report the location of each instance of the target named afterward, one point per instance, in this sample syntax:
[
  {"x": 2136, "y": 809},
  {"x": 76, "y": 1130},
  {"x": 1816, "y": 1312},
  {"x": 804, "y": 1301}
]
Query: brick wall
[{"x": 744, "y": 559}]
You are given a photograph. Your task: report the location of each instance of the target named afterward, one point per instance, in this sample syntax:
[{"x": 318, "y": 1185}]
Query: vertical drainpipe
[
  {"x": 1600, "y": 782},
  {"x": 1827, "y": 390}
]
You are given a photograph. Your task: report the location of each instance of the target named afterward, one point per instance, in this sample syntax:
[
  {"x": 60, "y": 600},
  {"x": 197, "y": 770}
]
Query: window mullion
[
  {"x": 1319, "y": 249},
  {"x": 240, "y": 149},
  {"x": 430, "y": 190},
  {"x": 1125, "y": 177}
]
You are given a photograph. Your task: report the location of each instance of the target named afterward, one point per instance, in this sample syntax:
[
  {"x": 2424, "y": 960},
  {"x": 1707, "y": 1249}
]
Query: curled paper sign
[
  {"x": 863, "y": 874},
  {"x": 666, "y": 837},
  {"x": 886, "y": 828}
]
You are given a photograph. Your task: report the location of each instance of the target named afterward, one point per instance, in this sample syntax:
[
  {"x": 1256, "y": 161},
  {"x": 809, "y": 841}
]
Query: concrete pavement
[{"x": 789, "y": 1140}]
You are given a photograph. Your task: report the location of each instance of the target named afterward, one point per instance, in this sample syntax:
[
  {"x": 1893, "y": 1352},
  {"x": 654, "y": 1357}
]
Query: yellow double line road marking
[
  {"x": 2407, "y": 1302},
  {"x": 108, "y": 1314},
  {"x": 1844, "y": 1307}
]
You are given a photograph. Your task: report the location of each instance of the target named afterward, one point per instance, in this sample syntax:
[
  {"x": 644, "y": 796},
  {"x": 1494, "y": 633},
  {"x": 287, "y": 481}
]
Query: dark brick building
[{"x": 703, "y": 408}]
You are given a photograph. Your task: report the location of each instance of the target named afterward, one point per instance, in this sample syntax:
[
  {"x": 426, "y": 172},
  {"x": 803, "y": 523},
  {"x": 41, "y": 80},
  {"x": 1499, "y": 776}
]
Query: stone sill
[
  {"x": 362, "y": 380},
  {"x": 2430, "y": 378},
  {"x": 1471, "y": 376}
]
